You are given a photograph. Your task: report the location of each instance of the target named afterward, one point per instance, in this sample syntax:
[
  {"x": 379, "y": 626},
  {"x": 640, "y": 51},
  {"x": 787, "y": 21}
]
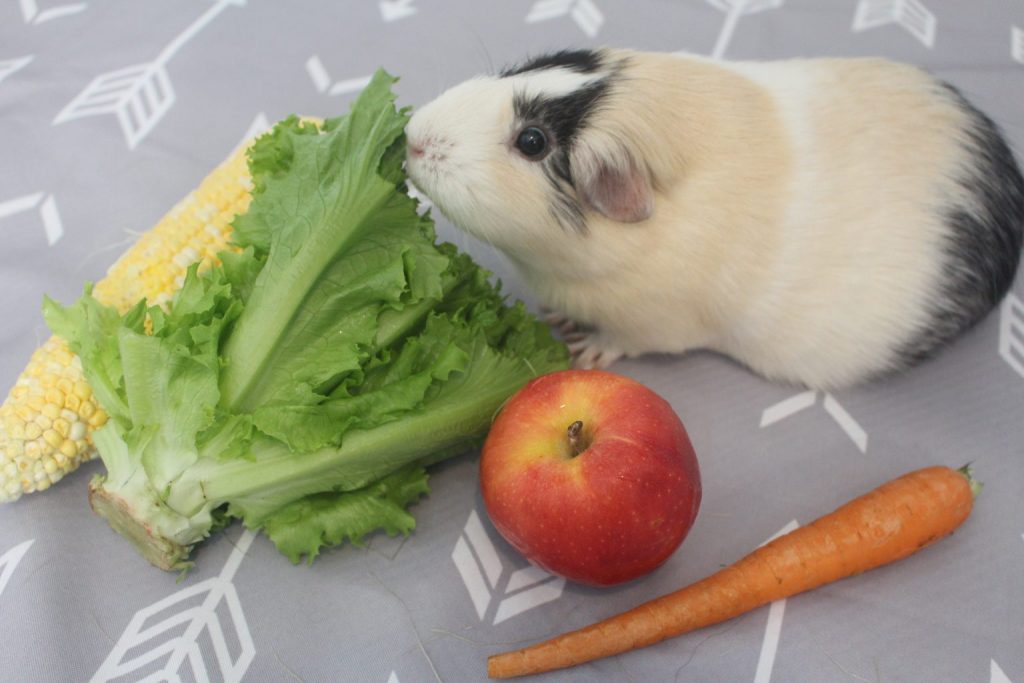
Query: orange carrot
[{"x": 895, "y": 520}]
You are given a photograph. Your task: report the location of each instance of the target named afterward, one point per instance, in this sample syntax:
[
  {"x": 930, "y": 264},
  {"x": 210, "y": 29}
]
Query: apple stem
[{"x": 574, "y": 438}]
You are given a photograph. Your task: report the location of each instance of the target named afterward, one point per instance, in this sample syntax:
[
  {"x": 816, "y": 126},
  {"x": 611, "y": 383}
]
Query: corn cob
[{"x": 47, "y": 418}]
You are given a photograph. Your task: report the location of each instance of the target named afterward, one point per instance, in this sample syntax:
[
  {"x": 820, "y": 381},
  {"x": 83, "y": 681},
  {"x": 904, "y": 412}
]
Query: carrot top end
[{"x": 976, "y": 485}]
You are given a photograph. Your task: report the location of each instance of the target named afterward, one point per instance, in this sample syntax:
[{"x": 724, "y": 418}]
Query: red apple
[{"x": 591, "y": 476}]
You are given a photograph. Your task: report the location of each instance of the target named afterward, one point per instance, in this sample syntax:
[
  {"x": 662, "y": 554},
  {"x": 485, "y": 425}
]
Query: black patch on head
[
  {"x": 580, "y": 61},
  {"x": 984, "y": 240},
  {"x": 564, "y": 117}
]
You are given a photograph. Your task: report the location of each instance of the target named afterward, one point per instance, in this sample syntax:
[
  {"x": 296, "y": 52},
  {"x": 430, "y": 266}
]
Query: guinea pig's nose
[{"x": 415, "y": 149}]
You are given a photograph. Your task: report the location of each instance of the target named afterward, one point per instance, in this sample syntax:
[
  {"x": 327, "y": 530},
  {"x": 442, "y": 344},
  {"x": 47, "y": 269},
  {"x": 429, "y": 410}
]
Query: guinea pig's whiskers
[
  {"x": 481, "y": 48},
  {"x": 487, "y": 54}
]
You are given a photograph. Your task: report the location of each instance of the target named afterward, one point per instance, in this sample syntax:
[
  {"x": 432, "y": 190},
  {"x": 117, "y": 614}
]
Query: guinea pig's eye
[{"x": 532, "y": 142}]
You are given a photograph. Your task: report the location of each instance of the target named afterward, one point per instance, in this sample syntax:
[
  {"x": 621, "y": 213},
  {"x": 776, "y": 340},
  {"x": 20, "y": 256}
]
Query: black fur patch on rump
[
  {"x": 984, "y": 241},
  {"x": 581, "y": 61},
  {"x": 563, "y": 117}
]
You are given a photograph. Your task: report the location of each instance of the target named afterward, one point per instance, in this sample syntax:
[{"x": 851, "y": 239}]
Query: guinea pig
[{"x": 821, "y": 221}]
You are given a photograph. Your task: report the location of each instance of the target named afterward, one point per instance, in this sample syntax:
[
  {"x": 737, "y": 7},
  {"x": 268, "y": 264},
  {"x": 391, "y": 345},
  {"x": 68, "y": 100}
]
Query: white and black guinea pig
[{"x": 822, "y": 221}]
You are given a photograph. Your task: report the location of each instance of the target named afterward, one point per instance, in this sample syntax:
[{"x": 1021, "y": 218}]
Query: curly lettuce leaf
[{"x": 304, "y": 527}]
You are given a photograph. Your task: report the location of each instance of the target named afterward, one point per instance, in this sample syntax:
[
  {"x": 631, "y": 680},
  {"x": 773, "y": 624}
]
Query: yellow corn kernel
[
  {"x": 68, "y": 449},
  {"x": 62, "y": 427},
  {"x": 83, "y": 390},
  {"x": 32, "y": 451},
  {"x": 52, "y": 438},
  {"x": 16, "y": 428}
]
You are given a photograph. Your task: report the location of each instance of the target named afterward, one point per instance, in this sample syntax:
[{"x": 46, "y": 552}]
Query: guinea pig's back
[
  {"x": 903, "y": 220},
  {"x": 902, "y": 226}
]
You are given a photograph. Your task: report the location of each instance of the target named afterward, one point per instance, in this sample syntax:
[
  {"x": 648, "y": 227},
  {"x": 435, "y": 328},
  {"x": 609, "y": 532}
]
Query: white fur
[
  {"x": 794, "y": 224},
  {"x": 552, "y": 82}
]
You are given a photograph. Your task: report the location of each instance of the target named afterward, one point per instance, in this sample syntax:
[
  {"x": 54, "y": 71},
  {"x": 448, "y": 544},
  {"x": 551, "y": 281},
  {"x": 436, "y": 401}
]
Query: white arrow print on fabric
[
  {"x": 806, "y": 399},
  {"x": 910, "y": 14},
  {"x": 138, "y": 95},
  {"x": 773, "y": 629},
  {"x": 47, "y": 212},
  {"x": 9, "y": 562},
  {"x": 1017, "y": 44},
  {"x": 996, "y": 674},
  {"x": 393, "y": 678},
  {"x": 734, "y": 9},
  {"x": 480, "y": 567},
  {"x": 1011, "y": 332},
  {"x": 584, "y": 12},
  {"x": 30, "y": 11},
  {"x": 9, "y": 66},
  {"x": 322, "y": 81},
  {"x": 198, "y": 608},
  {"x": 393, "y": 10}
]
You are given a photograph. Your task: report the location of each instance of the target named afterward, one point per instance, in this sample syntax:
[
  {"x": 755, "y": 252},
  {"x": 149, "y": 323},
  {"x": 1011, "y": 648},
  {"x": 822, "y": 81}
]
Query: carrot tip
[{"x": 976, "y": 486}]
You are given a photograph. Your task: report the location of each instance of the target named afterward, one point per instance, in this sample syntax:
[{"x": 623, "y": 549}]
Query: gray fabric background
[{"x": 401, "y": 610}]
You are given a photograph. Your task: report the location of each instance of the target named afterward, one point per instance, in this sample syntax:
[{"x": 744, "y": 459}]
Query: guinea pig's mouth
[
  {"x": 426, "y": 162},
  {"x": 421, "y": 173}
]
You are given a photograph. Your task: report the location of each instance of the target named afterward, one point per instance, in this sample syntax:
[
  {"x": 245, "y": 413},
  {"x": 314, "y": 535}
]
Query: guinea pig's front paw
[
  {"x": 588, "y": 348},
  {"x": 560, "y": 322},
  {"x": 591, "y": 350}
]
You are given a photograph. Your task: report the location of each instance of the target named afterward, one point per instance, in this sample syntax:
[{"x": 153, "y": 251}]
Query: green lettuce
[{"x": 306, "y": 383}]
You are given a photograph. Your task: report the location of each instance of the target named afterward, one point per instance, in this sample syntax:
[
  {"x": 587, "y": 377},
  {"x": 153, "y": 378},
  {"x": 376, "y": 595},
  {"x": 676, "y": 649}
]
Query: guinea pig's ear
[{"x": 610, "y": 181}]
